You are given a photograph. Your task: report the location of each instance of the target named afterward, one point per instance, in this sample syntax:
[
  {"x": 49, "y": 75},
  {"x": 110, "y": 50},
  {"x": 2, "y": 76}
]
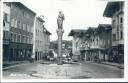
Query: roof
[
  {"x": 104, "y": 27},
  {"x": 20, "y": 4},
  {"x": 111, "y": 8},
  {"x": 76, "y": 31},
  {"x": 46, "y": 31},
  {"x": 40, "y": 19},
  {"x": 91, "y": 30}
]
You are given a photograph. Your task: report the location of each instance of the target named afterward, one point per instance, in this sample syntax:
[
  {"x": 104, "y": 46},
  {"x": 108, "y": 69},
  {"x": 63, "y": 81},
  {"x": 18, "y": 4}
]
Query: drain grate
[
  {"x": 45, "y": 63},
  {"x": 80, "y": 77}
]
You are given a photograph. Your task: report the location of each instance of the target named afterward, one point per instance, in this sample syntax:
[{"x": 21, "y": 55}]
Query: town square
[{"x": 63, "y": 39}]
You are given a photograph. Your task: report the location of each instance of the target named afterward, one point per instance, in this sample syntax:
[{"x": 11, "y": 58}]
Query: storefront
[
  {"x": 118, "y": 53},
  {"x": 20, "y": 52}
]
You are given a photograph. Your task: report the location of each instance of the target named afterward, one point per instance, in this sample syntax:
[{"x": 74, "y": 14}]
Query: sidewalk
[
  {"x": 11, "y": 64},
  {"x": 121, "y": 66}
]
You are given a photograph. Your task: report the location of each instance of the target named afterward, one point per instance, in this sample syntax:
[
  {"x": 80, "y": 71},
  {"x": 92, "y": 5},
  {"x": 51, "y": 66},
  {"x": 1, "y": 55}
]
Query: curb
[
  {"x": 118, "y": 66},
  {"x": 16, "y": 65},
  {"x": 9, "y": 67},
  {"x": 12, "y": 66}
]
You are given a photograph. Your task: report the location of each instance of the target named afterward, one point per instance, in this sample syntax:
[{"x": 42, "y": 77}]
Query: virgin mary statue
[{"x": 60, "y": 20}]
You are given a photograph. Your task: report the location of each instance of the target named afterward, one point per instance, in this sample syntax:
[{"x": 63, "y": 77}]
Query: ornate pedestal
[{"x": 59, "y": 56}]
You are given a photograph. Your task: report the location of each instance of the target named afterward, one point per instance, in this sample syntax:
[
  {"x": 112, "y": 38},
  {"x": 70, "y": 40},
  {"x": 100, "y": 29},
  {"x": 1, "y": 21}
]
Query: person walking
[{"x": 70, "y": 54}]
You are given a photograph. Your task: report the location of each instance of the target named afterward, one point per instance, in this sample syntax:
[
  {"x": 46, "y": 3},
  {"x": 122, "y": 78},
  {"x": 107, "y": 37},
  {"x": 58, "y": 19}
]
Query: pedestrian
[{"x": 70, "y": 54}]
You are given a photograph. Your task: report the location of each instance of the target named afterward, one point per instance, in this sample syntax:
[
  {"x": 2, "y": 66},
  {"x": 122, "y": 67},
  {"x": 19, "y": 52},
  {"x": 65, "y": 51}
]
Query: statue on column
[{"x": 60, "y": 20}]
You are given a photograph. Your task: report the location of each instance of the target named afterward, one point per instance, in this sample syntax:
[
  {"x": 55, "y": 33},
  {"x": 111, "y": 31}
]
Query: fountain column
[{"x": 60, "y": 34}]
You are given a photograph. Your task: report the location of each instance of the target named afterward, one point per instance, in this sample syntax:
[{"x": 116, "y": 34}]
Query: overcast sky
[{"x": 79, "y": 14}]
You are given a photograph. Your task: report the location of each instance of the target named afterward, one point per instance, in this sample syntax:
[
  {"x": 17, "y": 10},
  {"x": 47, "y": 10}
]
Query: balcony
[
  {"x": 47, "y": 44},
  {"x": 94, "y": 47},
  {"x": 82, "y": 48},
  {"x": 116, "y": 43},
  {"x": 6, "y": 27},
  {"x": 6, "y": 42}
]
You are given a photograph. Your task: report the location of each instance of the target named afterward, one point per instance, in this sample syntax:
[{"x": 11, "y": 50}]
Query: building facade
[
  {"x": 20, "y": 32},
  {"x": 115, "y": 10},
  {"x": 39, "y": 38},
  {"x": 77, "y": 42},
  {"x": 98, "y": 43},
  {"x": 93, "y": 44},
  {"x": 47, "y": 39},
  {"x": 42, "y": 39},
  {"x": 6, "y": 28},
  {"x": 93, "y": 38},
  {"x": 105, "y": 43},
  {"x": 47, "y": 42}
]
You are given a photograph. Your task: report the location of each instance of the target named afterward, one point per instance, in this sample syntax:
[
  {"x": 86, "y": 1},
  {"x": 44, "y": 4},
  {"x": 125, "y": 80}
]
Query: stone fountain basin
[{"x": 54, "y": 71}]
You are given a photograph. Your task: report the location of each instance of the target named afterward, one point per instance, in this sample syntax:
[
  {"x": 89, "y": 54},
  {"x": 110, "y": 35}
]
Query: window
[
  {"x": 11, "y": 37},
  {"x": 25, "y": 39},
  {"x": 15, "y": 23},
  {"x": 24, "y": 13},
  {"x": 12, "y": 22},
  {"x": 27, "y": 15},
  {"x": 121, "y": 35},
  {"x": 121, "y": 20},
  {"x": 3, "y": 23},
  {"x": 23, "y": 26},
  {"x": 19, "y": 38},
  {"x": 114, "y": 37},
  {"x": 5, "y": 16},
  {"x": 15, "y": 38},
  {"x": 28, "y": 28},
  {"x": 93, "y": 40},
  {"x": 97, "y": 41},
  {"x": 30, "y": 40},
  {"x": 104, "y": 42},
  {"x": 118, "y": 36},
  {"x": 36, "y": 32},
  {"x": 121, "y": 26},
  {"x": 31, "y": 30},
  {"x": 22, "y": 39},
  {"x": 117, "y": 28},
  {"x": 4, "y": 36},
  {"x": 76, "y": 44},
  {"x": 113, "y": 23},
  {"x": 18, "y": 24},
  {"x": 7, "y": 4},
  {"x": 108, "y": 42}
]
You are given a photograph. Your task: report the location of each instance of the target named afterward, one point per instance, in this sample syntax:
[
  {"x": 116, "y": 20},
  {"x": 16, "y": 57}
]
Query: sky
[{"x": 79, "y": 14}]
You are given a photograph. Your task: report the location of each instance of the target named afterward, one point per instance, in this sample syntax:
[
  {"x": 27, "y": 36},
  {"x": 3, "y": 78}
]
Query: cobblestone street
[
  {"x": 64, "y": 40},
  {"x": 66, "y": 71}
]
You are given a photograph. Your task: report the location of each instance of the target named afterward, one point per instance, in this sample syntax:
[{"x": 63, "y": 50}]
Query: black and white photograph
[{"x": 63, "y": 40}]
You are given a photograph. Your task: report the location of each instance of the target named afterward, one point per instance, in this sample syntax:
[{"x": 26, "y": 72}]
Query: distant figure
[
  {"x": 51, "y": 55},
  {"x": 70, "y": 54},
  {"x": 60, "y": 20}
]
